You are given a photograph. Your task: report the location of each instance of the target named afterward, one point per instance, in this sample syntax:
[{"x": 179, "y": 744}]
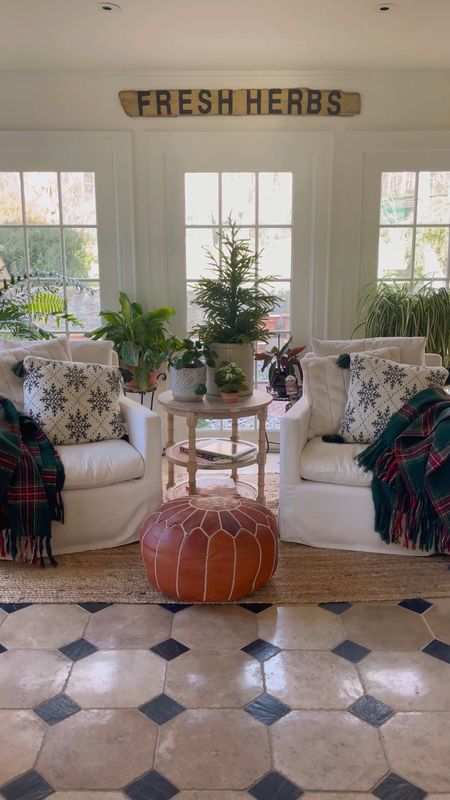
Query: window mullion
[
  {"x": 25, "y": 238},
  {"x": 255, "y": 365},
  {"x": 414, "y": 230},
  {"x": 219, "y": 187},
  {"x": 447, "y": 279},
  {"x": 62, "y": 246}
]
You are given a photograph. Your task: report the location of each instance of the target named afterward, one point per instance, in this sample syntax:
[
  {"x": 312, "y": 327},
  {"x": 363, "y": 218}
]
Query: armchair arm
[
  {"x": 144, "y": 431},
  {"x": 433, "y": 360},
  {"x": 293, "y": 438}
]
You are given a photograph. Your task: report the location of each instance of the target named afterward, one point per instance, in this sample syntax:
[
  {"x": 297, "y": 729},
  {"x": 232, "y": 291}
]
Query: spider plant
[{"x": 397, "y": 309}]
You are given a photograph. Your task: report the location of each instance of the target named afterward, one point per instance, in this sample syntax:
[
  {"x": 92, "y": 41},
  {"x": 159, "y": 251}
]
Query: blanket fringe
[
  {"x": 18, "y": 548},
  {"x": 410, "y": 523}
]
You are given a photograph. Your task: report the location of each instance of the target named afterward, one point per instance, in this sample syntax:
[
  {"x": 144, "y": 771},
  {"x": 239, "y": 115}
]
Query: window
[
  {"x": 261, "y": 204},
  {"x": 48, "y": 225},
  {"x": 413, "y": 242}
]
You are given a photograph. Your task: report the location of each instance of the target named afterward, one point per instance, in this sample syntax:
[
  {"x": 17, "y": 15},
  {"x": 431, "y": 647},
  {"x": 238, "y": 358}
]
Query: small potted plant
[
  {"x": 188, "y": 360},
  {"x": 282, "y": 363},
  {"x": 231, "y": 381}
]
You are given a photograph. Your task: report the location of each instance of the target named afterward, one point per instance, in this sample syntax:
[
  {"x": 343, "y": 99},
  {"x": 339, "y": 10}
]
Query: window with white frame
[
  {"x": 413, "y": 241},
  {"x": 261, "y": 204},
  {"x": 48, "y": 226}
]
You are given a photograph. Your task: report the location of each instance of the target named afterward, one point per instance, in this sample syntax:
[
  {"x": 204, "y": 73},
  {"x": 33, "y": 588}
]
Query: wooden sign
[{"x": 240, "y": 102}]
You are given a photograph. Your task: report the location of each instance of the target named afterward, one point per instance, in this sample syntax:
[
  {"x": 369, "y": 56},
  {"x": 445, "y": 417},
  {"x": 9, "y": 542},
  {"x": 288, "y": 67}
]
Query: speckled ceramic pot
[{"x": 183, "y": 383}]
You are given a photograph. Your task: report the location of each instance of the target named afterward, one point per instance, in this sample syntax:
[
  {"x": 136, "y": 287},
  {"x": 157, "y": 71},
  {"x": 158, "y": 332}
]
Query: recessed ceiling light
[
  {"x": 383, "y": 8},
  {"x": 108, "y": 7}
]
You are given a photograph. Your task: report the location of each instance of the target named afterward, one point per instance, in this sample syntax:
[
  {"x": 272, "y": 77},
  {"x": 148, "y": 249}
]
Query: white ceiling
[{"x": 149, "y": 35}]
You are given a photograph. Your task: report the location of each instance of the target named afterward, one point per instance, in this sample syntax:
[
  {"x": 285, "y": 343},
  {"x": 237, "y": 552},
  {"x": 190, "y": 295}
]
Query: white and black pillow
[
  {"x": 325, "y": 385},
  {"x": 73, "y": 402},
  {"x": 378, "y": 388}
]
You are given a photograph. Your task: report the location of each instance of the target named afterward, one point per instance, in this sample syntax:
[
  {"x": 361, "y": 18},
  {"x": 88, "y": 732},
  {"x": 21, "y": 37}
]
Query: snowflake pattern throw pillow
[
  {"x": 378, "y": 388},
  {"x": 73, "y": 402}
]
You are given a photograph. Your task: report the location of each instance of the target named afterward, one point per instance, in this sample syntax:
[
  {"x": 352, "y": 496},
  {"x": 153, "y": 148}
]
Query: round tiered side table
[{"x": 255, "y": 404}]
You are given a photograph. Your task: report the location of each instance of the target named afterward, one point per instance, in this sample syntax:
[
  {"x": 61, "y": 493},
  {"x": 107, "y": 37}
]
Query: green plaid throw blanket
[
  {"x": 411, "y": 474},
  {"x": 31, "y": 480}
]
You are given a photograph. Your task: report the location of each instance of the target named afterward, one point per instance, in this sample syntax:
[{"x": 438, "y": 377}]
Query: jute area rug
[{"x": 304, "y": 575}]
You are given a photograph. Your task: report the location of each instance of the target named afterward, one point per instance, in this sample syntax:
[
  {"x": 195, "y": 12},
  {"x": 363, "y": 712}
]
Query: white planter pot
[
  {"x": 242, "y": 355},
  {"x": 183, "y": 383}
]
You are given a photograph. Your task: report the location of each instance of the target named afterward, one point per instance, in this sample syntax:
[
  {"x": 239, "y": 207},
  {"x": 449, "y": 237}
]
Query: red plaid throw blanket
[
  {"x": 411, "y": 474},
  {"x": 31, "y": 480}
]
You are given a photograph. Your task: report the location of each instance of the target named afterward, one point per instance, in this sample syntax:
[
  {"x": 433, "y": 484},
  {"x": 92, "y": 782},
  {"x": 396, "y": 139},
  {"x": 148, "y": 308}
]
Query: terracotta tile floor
[{"x": 147, "y": 702}]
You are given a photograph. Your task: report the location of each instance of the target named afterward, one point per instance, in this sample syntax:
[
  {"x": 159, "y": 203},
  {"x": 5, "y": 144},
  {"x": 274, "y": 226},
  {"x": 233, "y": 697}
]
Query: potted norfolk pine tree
[{"x": 235, "y": 302}]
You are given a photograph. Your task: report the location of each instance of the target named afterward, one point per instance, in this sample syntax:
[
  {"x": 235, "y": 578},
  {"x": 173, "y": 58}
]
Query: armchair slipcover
[
  {"x": 325, "y": 499},
  {"x": 110, "y": 486}
]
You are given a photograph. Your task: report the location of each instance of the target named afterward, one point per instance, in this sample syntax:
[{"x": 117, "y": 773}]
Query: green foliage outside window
[{"x": 44, "y": 252}]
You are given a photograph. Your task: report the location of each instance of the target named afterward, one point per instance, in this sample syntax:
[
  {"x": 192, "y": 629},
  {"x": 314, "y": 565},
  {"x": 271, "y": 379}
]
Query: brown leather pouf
[{"x": 206, "y": 549}]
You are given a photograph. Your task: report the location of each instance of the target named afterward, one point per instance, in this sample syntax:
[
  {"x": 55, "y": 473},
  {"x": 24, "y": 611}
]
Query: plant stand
[{"x": 151, "y": 392}]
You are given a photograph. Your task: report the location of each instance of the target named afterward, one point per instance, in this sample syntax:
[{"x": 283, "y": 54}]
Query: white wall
[{"x": 401, "y": 112}]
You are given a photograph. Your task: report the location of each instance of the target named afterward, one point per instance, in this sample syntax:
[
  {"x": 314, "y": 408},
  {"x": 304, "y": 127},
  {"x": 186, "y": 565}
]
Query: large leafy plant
[
  {"x": 235, "y": 302},
  {"x": 139, "y": 337},
  {"x": 396, "y": 309},
  {"x": 28, "y": 303}
]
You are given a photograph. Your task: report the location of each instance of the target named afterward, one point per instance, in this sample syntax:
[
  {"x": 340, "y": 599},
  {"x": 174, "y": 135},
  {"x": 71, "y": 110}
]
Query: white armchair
[
  {"x": 110, "y": 486},
  {"x": 325, "y": 498}
]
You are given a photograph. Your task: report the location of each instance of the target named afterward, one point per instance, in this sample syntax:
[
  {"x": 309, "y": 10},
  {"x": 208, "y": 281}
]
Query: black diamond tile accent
[
  {"x": 256, "y": 608},
  {"x": 30, "y": 786},
  {"x": 275, "y": 786},
  {"x": 260, "y": 649},
  {"x": 175, "y": 607},
  {"x": 417, "y": 604},
  {"x": 267, "y": 709},
  {"x": 438, "y": 649},
  {"x": 371, "y": 710},
  {"x": 169, "y": 649},
  {"x": 56, "y": 709},
  {"x": 3, "y": 649},
  {"x": 11, "y": 607},
  {"x": 151, "y": 786},
  {"x": 393, "y": 787},
  {"x": 351, "y": 651},
  {"x": 335, "y": 608},
  {"x": 78, "y": 649},
  {"x": 94, "y": 607},
  {"x": 161, "y": 709}
]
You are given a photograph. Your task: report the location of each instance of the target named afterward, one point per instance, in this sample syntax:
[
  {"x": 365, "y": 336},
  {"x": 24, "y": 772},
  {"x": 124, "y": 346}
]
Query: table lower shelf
[
  {"x": 177, "y": 456},
  {"x": 243, "y": 489}
]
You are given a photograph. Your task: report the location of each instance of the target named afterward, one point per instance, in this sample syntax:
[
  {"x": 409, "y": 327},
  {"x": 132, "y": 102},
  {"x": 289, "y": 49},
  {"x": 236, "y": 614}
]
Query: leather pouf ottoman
[{"x": 209, "y": 549}]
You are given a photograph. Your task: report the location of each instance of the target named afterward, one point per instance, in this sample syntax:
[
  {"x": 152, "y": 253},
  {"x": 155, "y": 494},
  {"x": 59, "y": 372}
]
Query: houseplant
[
  {"x": 139, "y": 338},
  {"x": 188, "y": 360},
  {"x": 231, "y": 381},
  {"x": 397, "y": 309},
  {"x": 281, "y": 362},
  {"x": 24, "y": 306},
  {"x": 235, "y": 303}
]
